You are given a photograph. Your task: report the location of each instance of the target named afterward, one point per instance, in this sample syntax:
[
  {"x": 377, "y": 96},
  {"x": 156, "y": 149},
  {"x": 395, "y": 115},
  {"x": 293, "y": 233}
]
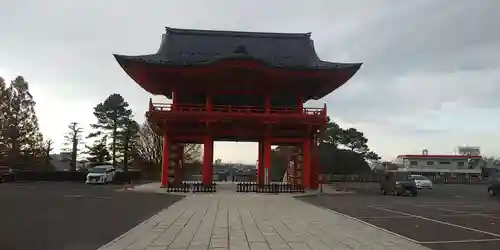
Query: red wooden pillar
[
  {"x": 306, "y": 165},
  {"x": 260, "y": 164},
  {"x": 208, "y": 155},
  {"x": 165, "y": 160},
  {"x": 266, "y": 154}
]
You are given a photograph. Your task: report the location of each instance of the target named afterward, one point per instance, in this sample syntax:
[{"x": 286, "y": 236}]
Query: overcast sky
[{"x": 430, "y": 79}]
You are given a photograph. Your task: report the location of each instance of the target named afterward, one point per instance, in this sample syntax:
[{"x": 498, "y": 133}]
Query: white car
[
  {"x": 422, "y": 182},
  {"x": 101, "y": 174}
]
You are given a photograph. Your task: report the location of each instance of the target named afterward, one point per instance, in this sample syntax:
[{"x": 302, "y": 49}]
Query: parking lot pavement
[
  {"x": 71, "y": 216},
  {"x": 455, "y": 217}
]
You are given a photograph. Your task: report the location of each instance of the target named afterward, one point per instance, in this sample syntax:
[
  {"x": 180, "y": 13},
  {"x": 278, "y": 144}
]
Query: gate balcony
[{"x": 215, "y": 113}]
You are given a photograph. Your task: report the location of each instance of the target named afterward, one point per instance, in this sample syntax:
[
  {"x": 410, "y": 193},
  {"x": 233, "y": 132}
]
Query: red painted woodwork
[
  {"x": 260, "y": 163},
  {"x": 159, "y": 79},
  {"x": 197, "y": 78},
  {"x": 165, "y": 160},
  {"x": 208, "y": 154},
  {"x": 234, "y": 109}
]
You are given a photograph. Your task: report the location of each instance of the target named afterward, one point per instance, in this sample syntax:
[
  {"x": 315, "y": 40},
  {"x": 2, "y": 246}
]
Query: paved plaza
[
  {"x": 235, "y": 221},
  {"x": 70, "y": 216},
  {"x": 74, "y": 216},
  {"x": 449, "y": 217}
]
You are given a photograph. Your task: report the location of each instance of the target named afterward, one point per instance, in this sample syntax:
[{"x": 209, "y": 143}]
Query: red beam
[{"x": 287, "y": 140}]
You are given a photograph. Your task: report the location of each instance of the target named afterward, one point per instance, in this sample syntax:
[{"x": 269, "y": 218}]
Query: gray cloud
[{"x": 417, "y": 55}]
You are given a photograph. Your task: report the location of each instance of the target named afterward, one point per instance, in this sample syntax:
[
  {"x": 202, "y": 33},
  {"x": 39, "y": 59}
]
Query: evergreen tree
[
  {"x": 73, "y": 138},
  {"x": 98, "y": 152},
  {"x": 4, "y": 109},
  {"x": 112, "y": 116},
  {"x": 21, "y": 133},
  {"x": 127, "y": 140}
]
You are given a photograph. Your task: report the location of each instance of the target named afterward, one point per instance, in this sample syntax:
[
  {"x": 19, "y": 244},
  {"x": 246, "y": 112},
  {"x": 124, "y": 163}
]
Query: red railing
[{"x": 236, "y": 109}]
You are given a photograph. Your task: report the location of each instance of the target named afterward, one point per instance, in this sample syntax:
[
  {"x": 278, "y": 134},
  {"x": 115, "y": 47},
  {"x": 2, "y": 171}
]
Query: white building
[{"x": 440, "y": 164}]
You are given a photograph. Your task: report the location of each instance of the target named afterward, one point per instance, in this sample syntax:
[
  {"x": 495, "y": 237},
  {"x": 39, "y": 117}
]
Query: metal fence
[
  {"x": 196, "y": 187},
  {"x": 248, "y": 187}
]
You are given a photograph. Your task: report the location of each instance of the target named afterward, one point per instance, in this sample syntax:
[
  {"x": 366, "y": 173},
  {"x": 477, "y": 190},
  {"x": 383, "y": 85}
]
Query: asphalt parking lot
[
  {"x": 458, "y": 217},
  {"x": 71, "y": 216}
]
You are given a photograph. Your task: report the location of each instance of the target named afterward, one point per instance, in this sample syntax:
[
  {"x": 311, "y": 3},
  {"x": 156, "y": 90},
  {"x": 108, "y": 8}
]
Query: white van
[{"x": 101, "y": 174}]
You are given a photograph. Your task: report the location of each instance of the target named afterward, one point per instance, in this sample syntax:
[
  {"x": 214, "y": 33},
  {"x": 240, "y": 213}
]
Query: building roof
[
  {"x": 184, "y": 47},
  {"x": 438, "y": 156}
]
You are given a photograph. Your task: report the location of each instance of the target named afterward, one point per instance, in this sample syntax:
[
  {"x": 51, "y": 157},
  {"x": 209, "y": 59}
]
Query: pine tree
[
  {"x": 4, "y": 109},
  {"x": 22, "y": 132},
  {"x": 72, "y": 139},
  {"x": 98, "y": 152},
  {"x": 112, "y": 115},
  {"x": 126, "y": 141}
]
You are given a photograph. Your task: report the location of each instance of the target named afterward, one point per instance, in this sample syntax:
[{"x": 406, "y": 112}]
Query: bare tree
[
  {"x": 73, "y": 138},
  {"x": 46, "y": 151},
  {"x": 149, "y": 147}
]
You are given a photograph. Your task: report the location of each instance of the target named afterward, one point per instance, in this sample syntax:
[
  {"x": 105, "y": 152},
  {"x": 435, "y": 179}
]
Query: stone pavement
[{"x": 236, "y": 221}]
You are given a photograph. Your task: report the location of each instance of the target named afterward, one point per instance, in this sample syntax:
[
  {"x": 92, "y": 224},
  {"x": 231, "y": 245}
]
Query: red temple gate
[{"x": 238, "y": 86}]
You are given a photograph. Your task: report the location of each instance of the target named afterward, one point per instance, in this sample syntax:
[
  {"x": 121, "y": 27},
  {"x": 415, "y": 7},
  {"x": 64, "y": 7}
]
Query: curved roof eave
[
  {"x": 351, "y": 71},
  {"x": 318, "y": 65}
]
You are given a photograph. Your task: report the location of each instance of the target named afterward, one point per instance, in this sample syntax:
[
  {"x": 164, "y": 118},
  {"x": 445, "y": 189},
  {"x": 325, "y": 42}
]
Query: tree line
[
  {"x": 340, "y": 151},
  {"x": 116, "y": 136}
]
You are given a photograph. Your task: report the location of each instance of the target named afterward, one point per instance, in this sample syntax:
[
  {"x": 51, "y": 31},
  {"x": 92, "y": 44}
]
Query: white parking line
[
  {"x": 458, "y": 241},
  {"x": 383, "y": 217},
  {"x": 371, "y": 225},
  {"x": 436, "y": 221},
  {"x": 460, "y": 212},
  {"x": 83, "y": 196},
  {"x": 444, "y": 202},
  {"x": 406, "y": 217}
]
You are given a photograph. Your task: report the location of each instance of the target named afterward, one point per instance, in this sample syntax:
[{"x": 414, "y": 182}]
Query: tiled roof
[{"x": 195, "y": 47}]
